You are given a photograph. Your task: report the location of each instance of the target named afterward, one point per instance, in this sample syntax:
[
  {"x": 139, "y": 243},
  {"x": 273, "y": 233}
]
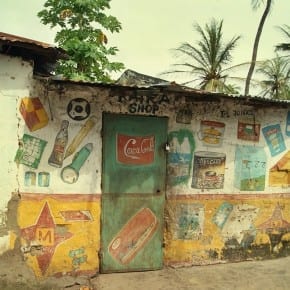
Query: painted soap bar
[
  {"x": 133, "y": 236},
  {"x": 33, "y": 113}
]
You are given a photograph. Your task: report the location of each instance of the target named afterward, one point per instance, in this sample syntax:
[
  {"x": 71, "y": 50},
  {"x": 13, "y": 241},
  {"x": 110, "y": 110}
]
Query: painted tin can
[
  {"x": 208, "y": 170},
  {"x": 30, "y": 178},
  {"x": 43, "y": 179},
  {"x": 211, "y": 133}
]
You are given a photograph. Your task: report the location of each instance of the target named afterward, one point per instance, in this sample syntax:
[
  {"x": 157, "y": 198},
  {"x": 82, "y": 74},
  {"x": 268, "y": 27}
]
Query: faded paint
[
  {"x": 134, "y": 172},
  {"x": 240, "y": 209},
  {"x": 53, "y": 227},
  {"x": 250, "y": 169},
  {"x": 181, "y": 147},
  {"x": 243, "y": 227},
  {"x": 15, "y": 81}
]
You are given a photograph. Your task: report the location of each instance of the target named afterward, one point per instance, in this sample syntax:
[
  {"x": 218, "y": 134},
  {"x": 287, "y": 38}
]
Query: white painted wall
[
  {"x": 229, "y": 112},
  {"x": 15, "y": 82}
]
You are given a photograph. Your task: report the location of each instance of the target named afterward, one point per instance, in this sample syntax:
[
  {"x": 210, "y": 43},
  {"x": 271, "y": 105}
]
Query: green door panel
[
  {"x": 132, "y": 232},
  {"x": 122, "y": 175},
  {"x": 133, "y": 190}
]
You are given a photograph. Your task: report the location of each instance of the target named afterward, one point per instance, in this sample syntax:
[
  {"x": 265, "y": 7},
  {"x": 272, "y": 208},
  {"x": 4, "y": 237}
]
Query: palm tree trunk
[{"x": 256, "y": 44}]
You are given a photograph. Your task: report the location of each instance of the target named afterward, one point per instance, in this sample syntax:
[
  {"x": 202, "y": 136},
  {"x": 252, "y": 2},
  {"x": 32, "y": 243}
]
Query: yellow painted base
[
  {"x": 60, "y": 234},
  {"x": 248, "y": 219}
]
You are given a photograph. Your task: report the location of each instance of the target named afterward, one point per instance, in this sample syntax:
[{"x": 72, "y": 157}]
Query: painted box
[
  {"x": 250, "y": 168},
  {"x": 279, "y": 174},
  {"x": 33, "y": 113}
]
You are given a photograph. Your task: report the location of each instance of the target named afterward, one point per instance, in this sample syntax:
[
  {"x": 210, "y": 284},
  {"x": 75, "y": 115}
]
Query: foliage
[
  {"x": 285, "y": 29},
  {"x": 256, "y": 4},
  {"x": 206, "y": 60},
  {"x": 82, "y": 26},
  {"x": 277, "y": 82}
]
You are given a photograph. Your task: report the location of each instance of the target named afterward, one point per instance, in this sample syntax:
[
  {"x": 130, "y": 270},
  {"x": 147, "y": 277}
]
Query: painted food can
[
  {"x": 211, "y": 133},
  {"x": 208, "y": 170},
  {"x": 43, "y": 179},
  {"x": 30, "y": 178}
]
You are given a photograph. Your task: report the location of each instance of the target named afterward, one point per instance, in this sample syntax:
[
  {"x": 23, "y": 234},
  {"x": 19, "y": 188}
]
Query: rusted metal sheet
[
  {"x": 20, "y": 46},
  {"x": 134, "y": 167},
  {"x": 16, "y": 38}
]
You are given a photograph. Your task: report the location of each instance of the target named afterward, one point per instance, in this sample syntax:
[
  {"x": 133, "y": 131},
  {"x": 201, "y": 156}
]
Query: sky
[{"x": 152, "y": 28}]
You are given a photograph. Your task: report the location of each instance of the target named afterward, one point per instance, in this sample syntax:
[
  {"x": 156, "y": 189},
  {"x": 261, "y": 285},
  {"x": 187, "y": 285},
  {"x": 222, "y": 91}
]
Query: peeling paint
[{"x": 231, "y": 208}]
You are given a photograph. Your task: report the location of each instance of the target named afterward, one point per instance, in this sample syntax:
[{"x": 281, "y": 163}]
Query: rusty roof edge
[
  {"x": 162, "y": 84},
  {"x": 186, "y": 91},
  {"x": 14, "y": 39}
]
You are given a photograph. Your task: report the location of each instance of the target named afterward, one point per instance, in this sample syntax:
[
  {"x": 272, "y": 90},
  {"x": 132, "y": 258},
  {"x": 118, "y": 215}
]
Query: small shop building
[{"x": 137, "y": 174}]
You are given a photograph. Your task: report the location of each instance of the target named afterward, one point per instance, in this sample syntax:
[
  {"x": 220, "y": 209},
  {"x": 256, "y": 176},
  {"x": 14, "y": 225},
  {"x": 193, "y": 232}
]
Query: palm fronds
[{"x": 206, "y": 59}]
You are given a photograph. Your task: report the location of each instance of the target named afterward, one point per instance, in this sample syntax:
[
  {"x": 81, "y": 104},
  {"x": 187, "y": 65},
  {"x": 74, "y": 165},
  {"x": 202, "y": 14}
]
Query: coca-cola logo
[{"x": 135, "y": 149}]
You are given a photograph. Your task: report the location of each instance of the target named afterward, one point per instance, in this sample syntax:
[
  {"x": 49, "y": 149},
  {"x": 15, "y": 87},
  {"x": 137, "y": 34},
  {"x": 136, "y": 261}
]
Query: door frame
[{"x": 150, "y": 211}]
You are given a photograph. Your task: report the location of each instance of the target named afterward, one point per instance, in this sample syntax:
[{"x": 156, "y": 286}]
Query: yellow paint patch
[
  {"x": 13, "y": 238},
  {"x": 210, "y": 244},
  {"x": 61, "y": 233}
]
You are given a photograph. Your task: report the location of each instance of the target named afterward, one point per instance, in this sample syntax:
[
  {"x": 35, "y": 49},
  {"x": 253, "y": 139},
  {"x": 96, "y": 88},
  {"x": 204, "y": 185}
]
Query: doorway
[{"x": 133, "y": 192}]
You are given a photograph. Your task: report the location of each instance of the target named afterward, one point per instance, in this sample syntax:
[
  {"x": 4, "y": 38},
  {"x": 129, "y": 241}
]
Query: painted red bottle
[{"x": 60, "y": 143}]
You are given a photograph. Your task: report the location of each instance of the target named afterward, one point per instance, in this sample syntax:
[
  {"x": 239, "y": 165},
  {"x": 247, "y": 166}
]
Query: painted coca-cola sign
[{"x": 137, "y": 150}]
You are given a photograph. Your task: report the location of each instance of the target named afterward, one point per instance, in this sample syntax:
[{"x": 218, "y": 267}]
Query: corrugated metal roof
[
  {"x": 172, "y": 87},
  {"x": 33, "y": 46},
  {"x": 16, "y": 38},
  {"x": 129, "y": 79},
  {"x": 135, "y": 79}
]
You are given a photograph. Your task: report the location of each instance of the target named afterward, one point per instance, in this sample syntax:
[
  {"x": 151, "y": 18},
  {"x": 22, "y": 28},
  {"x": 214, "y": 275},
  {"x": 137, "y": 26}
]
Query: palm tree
[
  {"x": 256, "y": 4},
  {"x": 207, "y": 58},
  {"x": 277, "y": 82},
  {"x": 286, "y": 31}
]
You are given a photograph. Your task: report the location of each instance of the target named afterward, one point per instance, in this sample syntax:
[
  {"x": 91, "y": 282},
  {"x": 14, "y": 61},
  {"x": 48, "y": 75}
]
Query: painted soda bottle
[
  {"x": 185, "y": 158},
  {"x": 173, "y": 159},
  {"x": 61, "y": 139}
]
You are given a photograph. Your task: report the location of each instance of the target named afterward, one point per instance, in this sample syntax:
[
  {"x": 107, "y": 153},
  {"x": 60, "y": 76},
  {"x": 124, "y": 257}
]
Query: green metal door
[{"x": 133, "y": 190}]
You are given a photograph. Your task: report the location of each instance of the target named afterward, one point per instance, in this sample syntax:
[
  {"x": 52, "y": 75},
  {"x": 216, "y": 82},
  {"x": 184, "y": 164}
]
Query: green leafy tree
[
  {"x": 82, "y": 27},
  {"x": 276, "y": 84},
  {"x": 256, "y": 4},
  {"x": 285, "y": 29},
  {"x": 207, "y": 58}
]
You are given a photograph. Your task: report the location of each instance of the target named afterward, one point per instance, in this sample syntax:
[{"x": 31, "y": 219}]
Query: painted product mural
[
  {"x": 227, "y": 181},
  {"x": 59, "y": 236},
  {"x": 69, "y": 151},
  {"x": 135, "y": 234},
  {"x": 235, "y": 153},
  {"x": 181, "y": 144},
  {"x": 54, "y": 156},
  {"x": 211, "y": 230},
  {"x": 230, "y": 156}
]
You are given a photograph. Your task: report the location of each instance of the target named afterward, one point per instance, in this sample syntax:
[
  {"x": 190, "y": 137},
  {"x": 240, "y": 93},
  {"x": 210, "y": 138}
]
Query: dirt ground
[{"x": 249, "y": 275}]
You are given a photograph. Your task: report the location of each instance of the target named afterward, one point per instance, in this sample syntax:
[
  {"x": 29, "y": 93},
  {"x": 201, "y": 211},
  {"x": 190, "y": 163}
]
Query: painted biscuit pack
[{"x": 133, "y": 236}]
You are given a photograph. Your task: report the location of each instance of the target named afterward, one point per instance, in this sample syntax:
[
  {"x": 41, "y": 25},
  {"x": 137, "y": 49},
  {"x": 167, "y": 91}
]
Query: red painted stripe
[{"x": 68, "y": 197}]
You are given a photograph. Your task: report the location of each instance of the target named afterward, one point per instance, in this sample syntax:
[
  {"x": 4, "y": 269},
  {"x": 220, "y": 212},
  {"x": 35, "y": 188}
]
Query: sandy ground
[{"x": 250, "y": 275}]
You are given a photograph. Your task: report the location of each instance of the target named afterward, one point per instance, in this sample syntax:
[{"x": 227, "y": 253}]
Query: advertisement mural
[
  {"x": 250, "y": 168},
  {"x": 208, "y": 170},
  {"x": 205, "y": 155},
  {"x": 181, "y": 147},
  {"x": 47, "y": 163},
  {"x": 57, "y": 225},
  {"x": 274, "y": 138}
]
